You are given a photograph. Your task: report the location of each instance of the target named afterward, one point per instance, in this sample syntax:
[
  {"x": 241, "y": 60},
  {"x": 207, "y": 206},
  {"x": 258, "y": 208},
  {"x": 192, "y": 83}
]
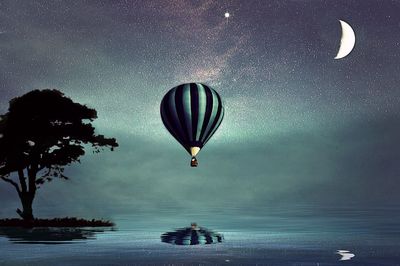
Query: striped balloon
[{"x": 192, "y": 112}]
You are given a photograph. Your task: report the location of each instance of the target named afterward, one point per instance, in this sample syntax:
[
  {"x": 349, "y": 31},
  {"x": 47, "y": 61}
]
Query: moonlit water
[{"x": 296, "y": 235}]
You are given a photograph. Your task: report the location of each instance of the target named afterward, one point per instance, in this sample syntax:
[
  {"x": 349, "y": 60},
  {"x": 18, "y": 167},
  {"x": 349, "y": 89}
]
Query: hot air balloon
[{"x": 192, "y": 112}]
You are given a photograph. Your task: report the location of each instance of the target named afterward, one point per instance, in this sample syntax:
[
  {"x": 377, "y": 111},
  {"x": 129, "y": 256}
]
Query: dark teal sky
[{"x": 299, "y": 127}]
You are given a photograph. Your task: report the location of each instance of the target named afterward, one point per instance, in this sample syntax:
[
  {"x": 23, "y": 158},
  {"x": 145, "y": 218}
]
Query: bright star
[{"x": 227, "y": 15}]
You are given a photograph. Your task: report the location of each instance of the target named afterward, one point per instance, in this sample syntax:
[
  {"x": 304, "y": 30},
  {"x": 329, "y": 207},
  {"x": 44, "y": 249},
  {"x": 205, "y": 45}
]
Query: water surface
[{"x": 296, "y": 235}]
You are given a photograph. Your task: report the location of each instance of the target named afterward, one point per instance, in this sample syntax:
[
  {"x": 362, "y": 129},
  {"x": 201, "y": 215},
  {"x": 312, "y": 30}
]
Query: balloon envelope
[{"x": 192, "y": 112}]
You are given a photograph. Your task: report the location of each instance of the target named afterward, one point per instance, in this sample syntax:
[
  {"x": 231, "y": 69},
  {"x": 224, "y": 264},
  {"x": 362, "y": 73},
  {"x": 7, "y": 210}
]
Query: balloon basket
[{"x": 193, "y": 162}]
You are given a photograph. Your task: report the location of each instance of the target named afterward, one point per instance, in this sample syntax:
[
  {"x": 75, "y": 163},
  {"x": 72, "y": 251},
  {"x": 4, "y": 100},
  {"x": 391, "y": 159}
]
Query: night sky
[{"x": 299, "y": 126}]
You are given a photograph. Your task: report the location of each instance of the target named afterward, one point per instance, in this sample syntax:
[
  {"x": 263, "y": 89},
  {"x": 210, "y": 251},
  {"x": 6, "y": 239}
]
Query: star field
[{"x": 286, "y": 99}]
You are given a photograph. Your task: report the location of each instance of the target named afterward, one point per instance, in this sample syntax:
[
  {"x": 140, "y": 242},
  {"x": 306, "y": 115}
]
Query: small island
[
  {"x": 43, "y": 132},
  {"x": 55, "y": 222}
]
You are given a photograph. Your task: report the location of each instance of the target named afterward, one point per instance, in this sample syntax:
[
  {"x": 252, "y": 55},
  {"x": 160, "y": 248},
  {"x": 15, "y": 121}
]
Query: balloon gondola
[{"x": 192, "y": 112}]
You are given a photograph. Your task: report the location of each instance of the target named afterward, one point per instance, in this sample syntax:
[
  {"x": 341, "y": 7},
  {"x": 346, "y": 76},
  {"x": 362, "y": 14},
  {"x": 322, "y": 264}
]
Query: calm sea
[{"x": 296, "y": 235}]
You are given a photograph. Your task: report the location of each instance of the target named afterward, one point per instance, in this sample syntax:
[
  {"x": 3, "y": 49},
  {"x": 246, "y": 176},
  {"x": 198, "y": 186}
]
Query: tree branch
[
  {"x": 22, "y": 180},
  {"x": 41, "y": 167},
  {"x": 11, "y": 182}
]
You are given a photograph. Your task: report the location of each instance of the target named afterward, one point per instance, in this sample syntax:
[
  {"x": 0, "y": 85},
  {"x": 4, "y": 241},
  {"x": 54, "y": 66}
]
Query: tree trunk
[{"x": 26, "y": 200}]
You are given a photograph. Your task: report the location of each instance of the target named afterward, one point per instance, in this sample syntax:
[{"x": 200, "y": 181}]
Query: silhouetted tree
[{"x": 42, "y": 132}]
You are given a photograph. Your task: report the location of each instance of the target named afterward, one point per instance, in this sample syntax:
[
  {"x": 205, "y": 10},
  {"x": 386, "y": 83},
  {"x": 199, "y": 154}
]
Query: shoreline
[{"x": 55, "y": 222}]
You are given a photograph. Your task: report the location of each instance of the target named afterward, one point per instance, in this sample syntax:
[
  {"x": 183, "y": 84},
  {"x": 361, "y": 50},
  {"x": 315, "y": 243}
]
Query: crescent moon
[{"x": 347, "y": 41}]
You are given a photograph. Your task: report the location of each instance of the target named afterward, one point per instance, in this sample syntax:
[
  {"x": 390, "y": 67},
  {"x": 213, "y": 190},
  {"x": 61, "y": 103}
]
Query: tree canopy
[{"x": 42, "y": 132}]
